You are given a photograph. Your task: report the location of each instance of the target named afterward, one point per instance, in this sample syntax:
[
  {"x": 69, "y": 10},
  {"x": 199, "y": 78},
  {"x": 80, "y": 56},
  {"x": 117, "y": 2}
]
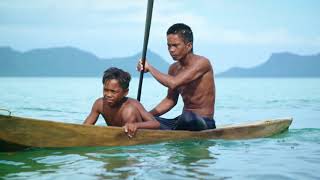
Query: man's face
[
  {"x": 177, "y": 48},
  {"x": 113, "y": 92}
]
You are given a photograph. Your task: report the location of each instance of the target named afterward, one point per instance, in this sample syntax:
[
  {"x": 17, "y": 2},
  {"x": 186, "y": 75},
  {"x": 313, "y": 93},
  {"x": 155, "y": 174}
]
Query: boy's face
[{"x": 113, "y": 92}]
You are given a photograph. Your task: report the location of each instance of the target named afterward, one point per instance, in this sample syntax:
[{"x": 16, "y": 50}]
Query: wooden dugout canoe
[{"x": 17, "y": 133}]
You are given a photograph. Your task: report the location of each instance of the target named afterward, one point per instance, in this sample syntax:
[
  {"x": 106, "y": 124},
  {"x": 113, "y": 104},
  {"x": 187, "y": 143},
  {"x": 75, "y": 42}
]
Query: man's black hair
[
  {"x": 183, "y": 30},
  {"x": 118, "y": 74}
]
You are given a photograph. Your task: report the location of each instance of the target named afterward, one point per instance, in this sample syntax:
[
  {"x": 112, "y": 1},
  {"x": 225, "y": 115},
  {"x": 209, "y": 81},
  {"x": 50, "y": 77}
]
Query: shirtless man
[
  {"x": 116, "y": 108},
  {"x": 192, "y": 77}
]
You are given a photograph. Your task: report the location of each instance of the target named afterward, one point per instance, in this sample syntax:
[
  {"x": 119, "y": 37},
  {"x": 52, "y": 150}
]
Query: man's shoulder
[
  {"x": 201, "y": 59},
  {"x": 173, "y": 67}
]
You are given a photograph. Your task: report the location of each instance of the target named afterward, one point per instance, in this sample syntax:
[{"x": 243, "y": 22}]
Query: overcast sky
[{"x": 230, "y": 33}]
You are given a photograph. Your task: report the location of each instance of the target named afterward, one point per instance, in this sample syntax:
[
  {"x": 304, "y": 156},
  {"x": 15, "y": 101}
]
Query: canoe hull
[{"x": 19, "y": 133}]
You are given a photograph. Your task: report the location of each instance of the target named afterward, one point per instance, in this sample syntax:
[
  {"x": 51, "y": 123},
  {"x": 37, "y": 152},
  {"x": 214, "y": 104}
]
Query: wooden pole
[{"x": 145, "y": 44}]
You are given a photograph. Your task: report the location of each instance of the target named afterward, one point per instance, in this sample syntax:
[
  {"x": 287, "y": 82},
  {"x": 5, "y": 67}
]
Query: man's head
[
  {"x": 180, "y": 41},
  {"x": 115, "y": 85},
  {"x": 183, "y": 30}
]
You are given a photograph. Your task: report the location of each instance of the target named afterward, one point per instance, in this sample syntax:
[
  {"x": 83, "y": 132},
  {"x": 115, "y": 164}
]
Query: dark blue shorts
[{"x": 187, "y": 121}]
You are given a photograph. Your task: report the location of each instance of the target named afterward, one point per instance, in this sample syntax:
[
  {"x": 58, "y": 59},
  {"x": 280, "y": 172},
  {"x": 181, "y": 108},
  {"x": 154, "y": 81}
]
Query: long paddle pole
[{"x": 145, "y": 44}]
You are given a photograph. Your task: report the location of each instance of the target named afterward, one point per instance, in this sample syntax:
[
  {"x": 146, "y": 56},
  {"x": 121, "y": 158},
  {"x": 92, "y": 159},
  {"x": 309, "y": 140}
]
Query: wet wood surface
[{"x": 18, "y": 133}]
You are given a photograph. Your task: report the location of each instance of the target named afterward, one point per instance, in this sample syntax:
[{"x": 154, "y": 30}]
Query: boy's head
[
  {"x": 115, "y": 85},
  {"x": 118, "y": 74}
]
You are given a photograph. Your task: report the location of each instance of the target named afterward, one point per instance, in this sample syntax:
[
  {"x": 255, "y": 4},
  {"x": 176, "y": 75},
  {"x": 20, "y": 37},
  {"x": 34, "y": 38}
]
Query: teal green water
[{"x": 292, "y": 155}]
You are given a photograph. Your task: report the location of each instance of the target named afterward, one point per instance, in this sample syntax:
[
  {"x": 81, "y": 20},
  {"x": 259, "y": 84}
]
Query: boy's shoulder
[
  {"x": 132, "y": 101},
  {"x": 98, "y": 104},
  {"x": 99, "y": 100}
]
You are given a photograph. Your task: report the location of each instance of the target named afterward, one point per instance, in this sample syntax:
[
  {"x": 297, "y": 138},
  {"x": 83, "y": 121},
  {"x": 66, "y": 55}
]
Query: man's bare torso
[{"x": 199, "y": 95}]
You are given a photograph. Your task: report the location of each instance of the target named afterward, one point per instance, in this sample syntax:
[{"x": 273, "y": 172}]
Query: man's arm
[
  {"x": 94, "y": 114},
  {"x": 166, "y": 104},
  {"x": 184, "y": 76}
]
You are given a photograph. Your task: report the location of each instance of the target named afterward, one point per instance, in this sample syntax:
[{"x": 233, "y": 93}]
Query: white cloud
[
  {"x": 71, "y": 13},
  {"x": 91, "y": 23},
  {"x": 105, "y": 5},
  {"x": 275, "y": 36}
]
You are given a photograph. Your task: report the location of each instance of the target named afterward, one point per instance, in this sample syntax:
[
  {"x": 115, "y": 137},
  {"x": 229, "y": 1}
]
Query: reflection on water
[
  {"x": 182, "y": 159},
  {"x": 281, "y": 156},
  {"x": 189, "y": 158}
]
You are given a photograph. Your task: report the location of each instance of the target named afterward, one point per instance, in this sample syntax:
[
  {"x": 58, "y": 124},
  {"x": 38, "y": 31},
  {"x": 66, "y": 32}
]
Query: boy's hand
[{"x": 130, "y": 129}]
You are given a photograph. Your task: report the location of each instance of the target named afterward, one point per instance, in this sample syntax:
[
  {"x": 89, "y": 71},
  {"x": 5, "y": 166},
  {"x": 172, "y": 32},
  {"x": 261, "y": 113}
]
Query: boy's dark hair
[
  {"x": 117, "y": 74},
  {"x": 183, "y": 30}
]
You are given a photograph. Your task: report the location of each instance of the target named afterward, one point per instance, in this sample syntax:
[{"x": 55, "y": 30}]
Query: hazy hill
[
  {"x": 67, "y": 61},
  {"x": 280, "y": 65}
]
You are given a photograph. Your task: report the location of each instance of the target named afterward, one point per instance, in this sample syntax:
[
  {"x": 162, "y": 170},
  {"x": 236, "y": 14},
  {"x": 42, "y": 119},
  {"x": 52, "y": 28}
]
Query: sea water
[{"x": 294, "y": 154}]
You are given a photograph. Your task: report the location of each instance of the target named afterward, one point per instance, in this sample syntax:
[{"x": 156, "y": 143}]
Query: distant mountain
[
  {"x": 68, "y": 61},
  {"x": 280, "y": 65}
]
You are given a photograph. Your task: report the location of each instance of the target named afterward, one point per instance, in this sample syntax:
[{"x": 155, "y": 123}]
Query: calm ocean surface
[{"x": 292, "y": 155}]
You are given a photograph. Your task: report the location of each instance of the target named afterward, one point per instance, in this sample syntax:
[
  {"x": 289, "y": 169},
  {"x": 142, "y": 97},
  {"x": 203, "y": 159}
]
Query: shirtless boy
[{"x": 116, "y": 108}]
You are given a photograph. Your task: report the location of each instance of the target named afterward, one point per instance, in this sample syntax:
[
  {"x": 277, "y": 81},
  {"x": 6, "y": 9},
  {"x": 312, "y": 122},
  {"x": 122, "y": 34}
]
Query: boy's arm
[
  {"x": 148, "y": 121},
  {"x": 94, "y": 114}
]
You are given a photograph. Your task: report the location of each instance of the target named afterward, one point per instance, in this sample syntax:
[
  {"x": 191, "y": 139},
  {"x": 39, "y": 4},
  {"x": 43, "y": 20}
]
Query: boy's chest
[{"x": 113, "y": 117}]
